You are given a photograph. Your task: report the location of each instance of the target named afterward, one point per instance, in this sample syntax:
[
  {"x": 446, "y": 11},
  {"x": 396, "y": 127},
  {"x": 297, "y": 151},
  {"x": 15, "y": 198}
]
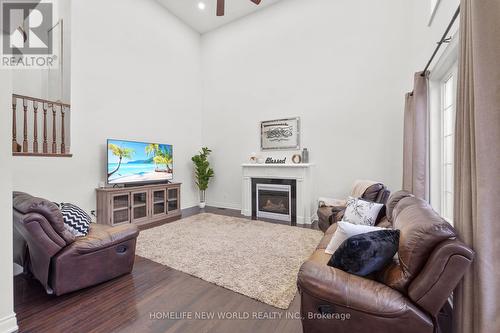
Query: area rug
[{"x": 254, "y": 258}]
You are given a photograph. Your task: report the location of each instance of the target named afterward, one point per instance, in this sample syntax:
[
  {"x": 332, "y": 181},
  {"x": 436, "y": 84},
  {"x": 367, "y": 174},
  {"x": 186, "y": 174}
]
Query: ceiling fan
[{"x": 220, "y": 6}]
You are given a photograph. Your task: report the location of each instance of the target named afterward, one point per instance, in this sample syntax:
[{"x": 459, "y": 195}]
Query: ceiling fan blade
[
  {"x": 257, "y": 2},
  {"x": 220, "y": 7}
]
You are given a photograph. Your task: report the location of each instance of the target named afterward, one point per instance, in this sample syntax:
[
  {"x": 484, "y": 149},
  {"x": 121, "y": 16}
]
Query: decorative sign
[
  {"x": 271, "y": 160},
  {"x": 281, "y": 134}
]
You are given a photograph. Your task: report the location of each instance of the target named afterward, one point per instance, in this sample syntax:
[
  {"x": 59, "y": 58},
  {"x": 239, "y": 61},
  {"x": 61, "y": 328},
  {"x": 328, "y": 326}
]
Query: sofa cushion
[
  {"x": 366, "y": 253},
  {"x": 422, "y": 229}
]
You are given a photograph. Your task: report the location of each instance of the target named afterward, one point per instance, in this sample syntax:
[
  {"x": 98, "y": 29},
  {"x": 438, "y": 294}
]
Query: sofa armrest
[
  {"x": 340, "y": 288},
  {"x": 337, "y": 215},
  {"x": 102, "y": 236},
  {"x": 42, "y": 244}
]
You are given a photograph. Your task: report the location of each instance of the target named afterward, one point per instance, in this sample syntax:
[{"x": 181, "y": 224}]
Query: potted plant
[{"x": 202, "y": 172}]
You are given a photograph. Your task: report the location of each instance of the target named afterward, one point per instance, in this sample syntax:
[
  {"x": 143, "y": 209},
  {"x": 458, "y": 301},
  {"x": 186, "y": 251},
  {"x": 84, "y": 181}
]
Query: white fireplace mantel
[{"x": 300, "y": 172}]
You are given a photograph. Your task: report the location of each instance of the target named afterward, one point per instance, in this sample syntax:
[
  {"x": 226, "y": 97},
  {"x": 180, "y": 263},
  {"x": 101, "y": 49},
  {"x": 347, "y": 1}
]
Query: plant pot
[{"x": 202, "y": 203}]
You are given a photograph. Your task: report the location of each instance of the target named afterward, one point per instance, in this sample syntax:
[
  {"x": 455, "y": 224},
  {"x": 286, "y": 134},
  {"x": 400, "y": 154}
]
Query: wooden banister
[
  {"x": 45, "y": 148},
  {"x": 54, "y": 132},
  {"x": 63, "y": 135},
  {"x": 31, "y": 148},
  {"x": 35, "y": 126},
  {"x": 14, "y": 125},
  {"x": 25, "y": 126}
]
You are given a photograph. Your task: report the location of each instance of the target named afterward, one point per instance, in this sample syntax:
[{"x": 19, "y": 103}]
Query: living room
[{"x": 162, "y": 79}]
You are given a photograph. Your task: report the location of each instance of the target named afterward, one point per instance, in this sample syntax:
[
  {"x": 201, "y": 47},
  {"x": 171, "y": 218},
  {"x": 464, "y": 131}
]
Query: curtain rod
[{"x": 443, "y": 40}]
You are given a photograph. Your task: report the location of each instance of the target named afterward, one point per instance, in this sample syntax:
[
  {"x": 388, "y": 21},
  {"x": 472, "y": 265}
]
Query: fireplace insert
[{"x": 274, "y": 199}]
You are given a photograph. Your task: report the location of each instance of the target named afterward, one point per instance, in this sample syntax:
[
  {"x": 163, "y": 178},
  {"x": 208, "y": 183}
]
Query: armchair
[{"x": 60, "y": 261}]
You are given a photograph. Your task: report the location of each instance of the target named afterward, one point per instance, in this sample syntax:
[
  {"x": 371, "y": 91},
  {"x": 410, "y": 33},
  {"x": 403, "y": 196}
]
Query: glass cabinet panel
[
  {"x": 120, "y": 216},
  {"x": 172, "y": 193},
  {"x": 120, "y": 201},
  {"x": 140, "y": 198},
  {"x": 173, "y": 205},
  {"x": 139, "y": 205},
  {"x": 159, "y": 202}
]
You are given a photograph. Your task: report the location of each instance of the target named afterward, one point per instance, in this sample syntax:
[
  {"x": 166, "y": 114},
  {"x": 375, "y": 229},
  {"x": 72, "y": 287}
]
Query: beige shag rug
[{"x": 257, "y": 259}]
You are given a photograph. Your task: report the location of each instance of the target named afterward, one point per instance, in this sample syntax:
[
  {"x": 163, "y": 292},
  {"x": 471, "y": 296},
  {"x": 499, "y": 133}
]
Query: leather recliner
[
  {"x": 60, "y": 261},
  {"x": 327, "y": 215},
  {"x": 406, "y": 296}
]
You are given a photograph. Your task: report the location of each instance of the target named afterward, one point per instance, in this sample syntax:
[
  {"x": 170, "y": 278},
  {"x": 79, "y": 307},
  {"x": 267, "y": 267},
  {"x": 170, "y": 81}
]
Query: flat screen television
[{"x": 131, "y": 162}]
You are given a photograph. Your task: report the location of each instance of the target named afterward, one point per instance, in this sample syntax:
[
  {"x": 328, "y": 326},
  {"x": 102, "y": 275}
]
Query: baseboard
[
  {"x": 224, "y": 205},
  {"x": 8, "y": 324}
]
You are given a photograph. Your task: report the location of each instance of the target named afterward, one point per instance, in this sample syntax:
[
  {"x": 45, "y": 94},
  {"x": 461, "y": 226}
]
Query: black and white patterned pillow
[
  {"x": 76, "y": 220},
  {"x": 360, "y": 211}
]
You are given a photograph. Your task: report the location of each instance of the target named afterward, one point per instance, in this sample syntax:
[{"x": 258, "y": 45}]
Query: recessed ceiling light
[{"x": 201, "y": 6}]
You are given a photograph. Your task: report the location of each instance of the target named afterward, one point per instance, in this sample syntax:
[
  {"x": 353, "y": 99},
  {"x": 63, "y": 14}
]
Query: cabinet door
[
  {"x": 173, "y": 200},
  {"x": 159, "y": 202},
  {"x": 120, "y": 208},
  {"x": 139, "y": 207}
]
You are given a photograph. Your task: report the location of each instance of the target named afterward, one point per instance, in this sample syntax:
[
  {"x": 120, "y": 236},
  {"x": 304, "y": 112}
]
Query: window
[
  {"x": 442, "y": 105},
  {"x": 447, "y": 138}
]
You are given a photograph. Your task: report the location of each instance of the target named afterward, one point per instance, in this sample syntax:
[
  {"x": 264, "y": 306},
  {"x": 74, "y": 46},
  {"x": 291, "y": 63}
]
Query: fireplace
[{"x": 274, "y": 199}]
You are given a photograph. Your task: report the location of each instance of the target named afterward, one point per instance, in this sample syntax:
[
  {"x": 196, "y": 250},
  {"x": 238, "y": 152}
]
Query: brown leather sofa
[
  {"x": 327, "y": 215},
  {"x": 407, "y": 296},
  {"x": 61, "y": 262}
]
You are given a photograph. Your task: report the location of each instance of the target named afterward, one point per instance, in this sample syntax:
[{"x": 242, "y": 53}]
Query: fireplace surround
[{"x": 301, "y": 174}]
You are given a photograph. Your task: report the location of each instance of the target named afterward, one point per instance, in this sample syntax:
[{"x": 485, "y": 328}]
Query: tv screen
[{"x": 139, "y": 162}]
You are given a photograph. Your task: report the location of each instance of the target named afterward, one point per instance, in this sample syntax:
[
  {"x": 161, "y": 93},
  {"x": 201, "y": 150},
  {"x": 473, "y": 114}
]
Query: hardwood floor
[{"x": 153, "y": 298}]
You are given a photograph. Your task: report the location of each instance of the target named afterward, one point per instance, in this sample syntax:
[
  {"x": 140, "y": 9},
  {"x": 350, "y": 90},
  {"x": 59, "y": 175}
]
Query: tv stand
[
  {"x": 140, "y": 205},
  {"x": 163, "y": 182}
]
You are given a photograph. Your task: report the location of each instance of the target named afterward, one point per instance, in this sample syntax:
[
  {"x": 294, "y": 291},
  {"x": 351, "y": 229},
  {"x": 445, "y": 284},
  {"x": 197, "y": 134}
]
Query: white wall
[
  {"x": 424, "y": 36},
  {"x": 135, "y": 75},
  {"x": 342, "y": 66},
  {"x": 50, "y": 84},
  {"x": 7, "y": 316}
]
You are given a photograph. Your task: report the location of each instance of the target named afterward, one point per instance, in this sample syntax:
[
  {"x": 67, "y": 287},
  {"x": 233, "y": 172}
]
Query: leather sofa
[
  {"x": 407, "y": 296},
  {"x": 327, "y": 215},
  {"x": 60, "y": 261}
]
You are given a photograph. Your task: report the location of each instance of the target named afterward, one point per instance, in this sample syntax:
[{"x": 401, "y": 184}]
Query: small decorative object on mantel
[
  {"x": 305, "y": 156},
  {"x": 253, "y": 158},
  {"x": 203, "y": 172},
  {"x": 271, "y": 160},
  {"x": 281, "y": 134},
  {"x": 296, "y": 158}
]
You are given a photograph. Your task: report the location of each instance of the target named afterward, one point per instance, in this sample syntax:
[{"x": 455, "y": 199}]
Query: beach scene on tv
[{"x": 135, "y": 162}]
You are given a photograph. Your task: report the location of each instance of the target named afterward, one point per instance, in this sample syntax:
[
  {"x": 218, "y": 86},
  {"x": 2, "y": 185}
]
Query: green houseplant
[{"x": 203, "y": 172}]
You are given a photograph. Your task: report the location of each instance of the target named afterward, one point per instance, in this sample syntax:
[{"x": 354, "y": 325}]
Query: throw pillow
[
  {"x": 359, "y": 211},
  {"x": 366, "y": 253},
  {"x": 76, "y": 220},
  {"x": 344, "y": 231}
]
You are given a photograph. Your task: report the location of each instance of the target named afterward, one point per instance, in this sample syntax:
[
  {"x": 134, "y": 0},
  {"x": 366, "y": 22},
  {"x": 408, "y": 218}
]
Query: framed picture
[{"x": 280, "y": 134}]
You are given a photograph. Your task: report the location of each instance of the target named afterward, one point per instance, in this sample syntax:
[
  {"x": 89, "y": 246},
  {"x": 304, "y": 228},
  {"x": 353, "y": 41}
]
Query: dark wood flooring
[{"x": 153, "y": 298}]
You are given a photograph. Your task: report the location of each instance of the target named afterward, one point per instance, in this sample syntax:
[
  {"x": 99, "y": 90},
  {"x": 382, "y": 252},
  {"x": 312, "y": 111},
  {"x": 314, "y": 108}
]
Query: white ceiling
[{"x": 206, "y": 20}]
